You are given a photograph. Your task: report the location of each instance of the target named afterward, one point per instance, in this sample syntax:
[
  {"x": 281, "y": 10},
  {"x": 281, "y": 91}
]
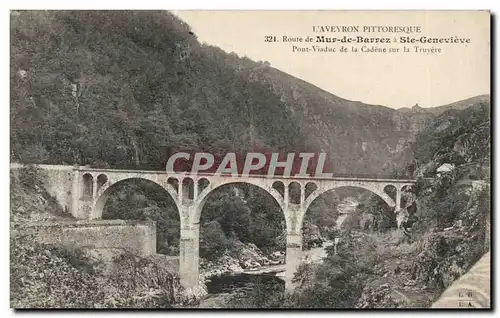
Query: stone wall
[{"x": 137, "y": 237}]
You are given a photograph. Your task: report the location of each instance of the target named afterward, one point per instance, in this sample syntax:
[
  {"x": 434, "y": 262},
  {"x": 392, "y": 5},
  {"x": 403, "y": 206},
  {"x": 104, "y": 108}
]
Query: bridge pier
[
  {"x": 189, "y": 256},
  {"x": 293, "y": 259},
  {"x": 398, "y": 199}
]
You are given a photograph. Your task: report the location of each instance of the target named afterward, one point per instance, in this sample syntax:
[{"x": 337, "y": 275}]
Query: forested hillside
[
  {"x": 445, "y": 234},
  {"x": 127, "y": 89}
]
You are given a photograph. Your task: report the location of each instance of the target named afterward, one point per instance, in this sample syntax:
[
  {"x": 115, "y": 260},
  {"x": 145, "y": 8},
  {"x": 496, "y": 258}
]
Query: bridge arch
[
  {"x": 134, "y": 202},
  {"x": 87, "y": 186},
  {"x": 379, "y": 191},
  {"x": 203, "y": 195},
  {"x": 108, "y": 188},
  {"x": 101, "y": 180},
  {"x": 309, "y": 188}
]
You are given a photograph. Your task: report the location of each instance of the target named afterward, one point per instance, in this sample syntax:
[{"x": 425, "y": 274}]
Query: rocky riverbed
[
  {"x": 231, "y": 274},
  {"x": 229, "y": 278},
  {"x": 248, "y": 258}
]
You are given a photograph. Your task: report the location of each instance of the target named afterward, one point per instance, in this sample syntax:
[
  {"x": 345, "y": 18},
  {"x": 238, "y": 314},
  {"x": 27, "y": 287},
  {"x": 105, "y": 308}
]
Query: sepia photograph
[{"x": 209, "y": 159}]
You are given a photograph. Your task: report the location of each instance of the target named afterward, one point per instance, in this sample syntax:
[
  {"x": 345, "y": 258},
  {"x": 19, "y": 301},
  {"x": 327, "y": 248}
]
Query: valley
[{"x": 129, "y": 90}]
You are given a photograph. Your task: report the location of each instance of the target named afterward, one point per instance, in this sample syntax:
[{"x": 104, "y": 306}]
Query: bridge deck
[{"x": 338, "y": 177}]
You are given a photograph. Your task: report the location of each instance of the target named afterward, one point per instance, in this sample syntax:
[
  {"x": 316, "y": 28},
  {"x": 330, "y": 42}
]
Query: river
[{"x": 222, "y": 288}]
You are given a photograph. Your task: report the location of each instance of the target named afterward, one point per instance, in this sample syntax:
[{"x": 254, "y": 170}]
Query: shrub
[
  {"x": 213, "y": 241},
  {"x": 30, "y": 177}
]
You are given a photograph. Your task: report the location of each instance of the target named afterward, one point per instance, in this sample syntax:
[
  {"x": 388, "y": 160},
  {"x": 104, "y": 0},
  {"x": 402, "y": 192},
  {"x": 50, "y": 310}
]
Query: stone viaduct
[{"x": 83, "y": 191}]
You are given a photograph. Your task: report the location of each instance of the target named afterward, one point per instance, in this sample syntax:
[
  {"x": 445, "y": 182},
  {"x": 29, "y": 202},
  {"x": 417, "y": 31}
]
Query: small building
[{"x": 444, "y": 168}]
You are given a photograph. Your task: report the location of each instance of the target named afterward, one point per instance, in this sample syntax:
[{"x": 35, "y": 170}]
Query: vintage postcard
[{"x": 250, "y": 159}]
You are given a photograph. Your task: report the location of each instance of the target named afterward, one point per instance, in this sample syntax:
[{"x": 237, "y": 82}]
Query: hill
[
  {"x": 420, "y": 116},
  {"x": 127, "y": 89},
  {"x": 438, "y": 110},
  {"x": 360, "y": 138}
]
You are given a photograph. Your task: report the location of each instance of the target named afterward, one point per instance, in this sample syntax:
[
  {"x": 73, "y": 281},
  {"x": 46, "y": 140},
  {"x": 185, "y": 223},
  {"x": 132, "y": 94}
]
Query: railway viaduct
[{"x": 82, "y": 191}]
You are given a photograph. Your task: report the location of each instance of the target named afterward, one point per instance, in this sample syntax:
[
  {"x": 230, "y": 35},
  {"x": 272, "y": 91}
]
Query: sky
[{"x": 391, "y": 79}]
